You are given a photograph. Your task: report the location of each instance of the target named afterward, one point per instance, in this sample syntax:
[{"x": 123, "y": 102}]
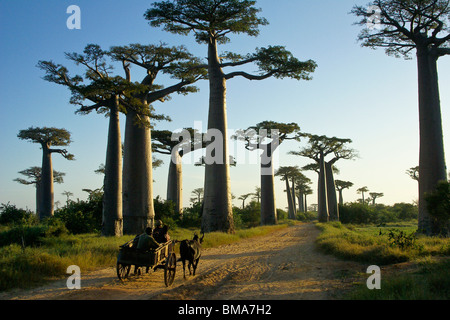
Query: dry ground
[{"x": 281, "y": 266}]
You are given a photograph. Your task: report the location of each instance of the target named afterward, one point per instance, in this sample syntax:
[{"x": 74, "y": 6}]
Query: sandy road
[{"x": 281, "y": 266}]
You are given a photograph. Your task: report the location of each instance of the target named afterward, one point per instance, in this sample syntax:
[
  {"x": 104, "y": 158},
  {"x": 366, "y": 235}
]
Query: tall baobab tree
[
  {"x": 302, "y": 188},
  {"x": 287, "y": 174},
  {"x": 34, "y": 176},
  {"x": 212, "y": 22},
  {"x": 165, "y": 143},
  {"x": 110, "y": 95},
  {"x": 47, "y": 138},
  {"x": 421, "y": 26},
  {"x": 156, "y": 60},
  {"x": 340, "y": 187},
  {"x": 257, "y": 138},
  {"x": 319, "y": 147}
]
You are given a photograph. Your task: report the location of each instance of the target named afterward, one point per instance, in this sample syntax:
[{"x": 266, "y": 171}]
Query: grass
[
  {"x": 31, "y": 266},
  {"x": 428, "y": 277}
]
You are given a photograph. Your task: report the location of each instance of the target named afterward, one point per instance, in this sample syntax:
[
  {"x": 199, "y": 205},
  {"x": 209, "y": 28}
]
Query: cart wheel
[
  {"x": 170, "y": 270},
  {"x": 123, "y": 271}
]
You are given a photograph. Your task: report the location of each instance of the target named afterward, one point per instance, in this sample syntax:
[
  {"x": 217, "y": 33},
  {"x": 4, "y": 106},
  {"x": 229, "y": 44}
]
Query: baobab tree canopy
[
  {"x": 48, "y": 137},
  {"x": 406, "y": 24}
]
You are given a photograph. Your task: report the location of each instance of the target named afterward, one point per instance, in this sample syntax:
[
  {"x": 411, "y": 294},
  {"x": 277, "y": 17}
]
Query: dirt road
[{"x": 281, "y": 266}]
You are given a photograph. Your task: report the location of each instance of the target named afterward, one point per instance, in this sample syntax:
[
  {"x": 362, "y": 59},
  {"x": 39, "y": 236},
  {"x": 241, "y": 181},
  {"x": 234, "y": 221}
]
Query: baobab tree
[
  {"x": 361, "y": 191},
  {"x": 47, "y": 138},
  {"x": 156, "y": 60},
  {"x": 212, "y": 22},
  {"x": 244, "y": 197},
  {"x": 34, "y": 177},
  {"x": 375, "y": 195},
  {"x": 257, "y": 138},
  {"x": 302, "y": 188},
  {"x": 413, "y": 173},
  {"x": 318, "y": 148},
  {"x": 287, "y": 174},
  {"x": 421, "y": 26},
  {"x": 110, "y": 94},
  {"x": 68, "y": 194},
  {"x": 168, "y": 143},
  {"x": 197, "y": 195},
  {"x": 257, "y": 194},
  {"x": 340, "y": 187}
]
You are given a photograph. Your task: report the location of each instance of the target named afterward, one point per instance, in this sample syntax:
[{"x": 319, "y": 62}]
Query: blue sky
[{"x": 356, "y": 93}]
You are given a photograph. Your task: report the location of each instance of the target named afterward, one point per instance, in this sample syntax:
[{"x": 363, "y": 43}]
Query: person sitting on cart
[
  {"x": 146, "y": 241},
  {"x": 160, "y": 233}
]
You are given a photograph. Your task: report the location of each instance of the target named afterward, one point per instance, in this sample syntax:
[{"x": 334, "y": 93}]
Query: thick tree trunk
[
  {"x": 112, "y": 199},
  {"x": 217, "y": 209},
  {"x": 294, "y": 198},
  {"x": 306, "y": 203},
  {"x": 38, "y": 196},
  {"x": 291, "y": 212},
  {"x": 432, "y": 166},
  {"x": 175, "y": 182},
  {"x": 341, "y": 198},
  {"x": 333, "y": 208},
  {"x": 301, "y": 202},
  {"x": 138, "y": 209},
  {"x": 45, "y": 203},
  {"x": 323, "y": 212},
  {"x": 268, "y": 203}
]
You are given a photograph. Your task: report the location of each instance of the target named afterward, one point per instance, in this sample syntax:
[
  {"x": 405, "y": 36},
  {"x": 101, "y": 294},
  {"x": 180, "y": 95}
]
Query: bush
[
  {"x": 192, "y": 217},
  {"x": 306, "y": 216},
  {"x": 250, "y": 216},
  {"x": 358, "y": 213},
  {"x": 10, "y": 214}
]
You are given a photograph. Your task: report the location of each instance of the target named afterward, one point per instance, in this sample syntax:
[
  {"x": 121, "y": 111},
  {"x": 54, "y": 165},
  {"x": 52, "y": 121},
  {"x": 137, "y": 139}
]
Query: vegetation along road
[{"x": 282, "y": 265}]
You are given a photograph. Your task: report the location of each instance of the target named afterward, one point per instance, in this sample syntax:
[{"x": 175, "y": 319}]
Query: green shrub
[
  {"x": 10, "y": 214},
  {"x": 306, "y": 216}
]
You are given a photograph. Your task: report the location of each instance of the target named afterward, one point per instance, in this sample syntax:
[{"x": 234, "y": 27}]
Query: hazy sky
[{"x": 356, "y": 93}]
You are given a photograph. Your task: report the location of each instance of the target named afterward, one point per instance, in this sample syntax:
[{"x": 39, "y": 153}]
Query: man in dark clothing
[
  {"x": 146, "y": 241},
  {"x": 161, "y": 232}
]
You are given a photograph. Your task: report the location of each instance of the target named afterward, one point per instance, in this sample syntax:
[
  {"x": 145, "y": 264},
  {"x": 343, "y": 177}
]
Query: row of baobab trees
[{"x": 404, "y": 27}]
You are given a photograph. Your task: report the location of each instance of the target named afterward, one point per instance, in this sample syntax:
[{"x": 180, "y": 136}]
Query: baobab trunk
[
  {"x": 217, "y": 209},
  {"x": 294, "y": 198},
  {"x": 268, "y": 204},
  {"x": 38, "y": 196},
  {"x": 432, "y": 166},
  {"x": 323, "y": 213},
  {"x": 175, "y": 182},
  {"x": 138, "y": 209},
  {"x": 45, "y": 205},
  {"x": 333, "y": 208},
  {"x": 341, "y": 198},
  {"x": 291, "y": 213},
  {"x": 301, "y": 204},
  {"x": 112, "y": 199}
]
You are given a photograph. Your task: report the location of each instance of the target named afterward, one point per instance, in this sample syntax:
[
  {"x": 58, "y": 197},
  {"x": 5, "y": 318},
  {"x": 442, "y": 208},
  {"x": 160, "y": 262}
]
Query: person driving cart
[{"x": 146, "y": 241}]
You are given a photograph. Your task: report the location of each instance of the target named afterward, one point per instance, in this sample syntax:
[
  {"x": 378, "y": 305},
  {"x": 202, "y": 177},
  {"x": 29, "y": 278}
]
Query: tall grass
[{"x": 429, "y": 257}]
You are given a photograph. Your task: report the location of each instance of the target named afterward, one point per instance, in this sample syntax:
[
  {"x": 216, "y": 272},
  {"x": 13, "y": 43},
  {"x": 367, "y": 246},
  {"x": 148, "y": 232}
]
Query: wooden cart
[{"x": 162, "y": 258}]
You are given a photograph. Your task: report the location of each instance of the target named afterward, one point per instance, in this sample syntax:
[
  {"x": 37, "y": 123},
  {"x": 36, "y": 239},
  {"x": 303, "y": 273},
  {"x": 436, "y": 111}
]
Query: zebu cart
[{"x": 161, "y": 258}]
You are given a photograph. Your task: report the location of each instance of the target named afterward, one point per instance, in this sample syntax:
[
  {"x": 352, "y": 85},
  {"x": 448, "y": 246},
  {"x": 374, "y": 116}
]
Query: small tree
[
  {"x": 34, "y": 177},
  {"x": 47, "y": 138},
  {"x": 375, "y": 196},
  {"x": 340, "y": 187},
  {"x": 361, "y": 191}
]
